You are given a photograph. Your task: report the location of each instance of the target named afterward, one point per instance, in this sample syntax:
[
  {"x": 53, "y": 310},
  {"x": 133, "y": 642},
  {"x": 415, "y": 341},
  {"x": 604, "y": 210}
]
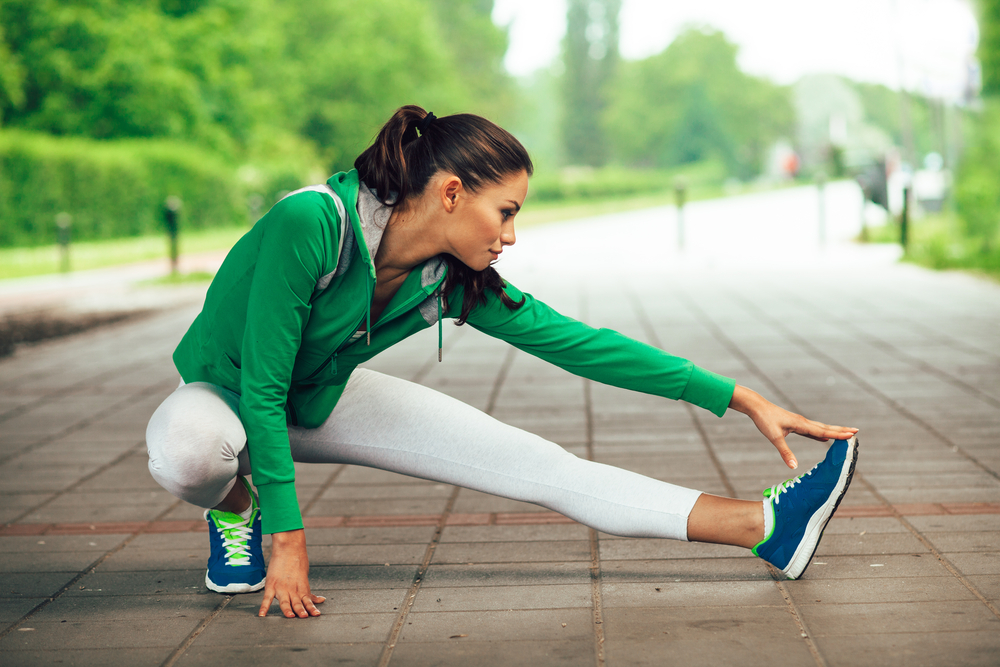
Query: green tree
[
  {"x": 590, "y": 58},
  {"x": 691, "y": 102},
  {"x": 989, "y": 45},
  {"x": 477, "y": 48}
]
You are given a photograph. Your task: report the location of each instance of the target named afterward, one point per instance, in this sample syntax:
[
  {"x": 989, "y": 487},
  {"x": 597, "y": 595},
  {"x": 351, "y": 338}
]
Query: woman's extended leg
[{"x": 392, "y": 424}]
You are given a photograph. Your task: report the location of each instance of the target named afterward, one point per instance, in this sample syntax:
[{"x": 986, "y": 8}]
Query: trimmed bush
[
  {"x": 583, "y": 183},
  {"x": 112, "y": 189},
  {"x": 977, "y": 194}
]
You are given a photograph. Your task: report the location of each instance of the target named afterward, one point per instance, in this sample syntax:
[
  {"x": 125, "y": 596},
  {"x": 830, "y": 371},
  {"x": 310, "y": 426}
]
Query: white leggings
[{"x": 197, "y": 447}]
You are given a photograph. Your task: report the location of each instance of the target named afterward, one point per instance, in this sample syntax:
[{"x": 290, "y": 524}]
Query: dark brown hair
[{"x": 401, "y": 162}]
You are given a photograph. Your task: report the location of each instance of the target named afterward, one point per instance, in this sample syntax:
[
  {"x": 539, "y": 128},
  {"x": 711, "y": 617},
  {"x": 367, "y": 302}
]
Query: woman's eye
[{"x": 507, "y": 214}]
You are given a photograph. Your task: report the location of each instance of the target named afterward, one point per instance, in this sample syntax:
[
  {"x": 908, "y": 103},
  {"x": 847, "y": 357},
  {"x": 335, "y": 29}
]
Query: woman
[{"x": 332, "y": 275}]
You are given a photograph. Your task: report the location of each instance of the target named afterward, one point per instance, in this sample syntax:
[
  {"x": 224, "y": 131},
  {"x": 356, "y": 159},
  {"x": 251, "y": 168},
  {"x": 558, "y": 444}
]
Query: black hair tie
[{"x": 425, "y": 122}]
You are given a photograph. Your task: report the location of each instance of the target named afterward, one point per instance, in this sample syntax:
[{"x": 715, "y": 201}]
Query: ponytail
[{"x": 401, "y": 162}]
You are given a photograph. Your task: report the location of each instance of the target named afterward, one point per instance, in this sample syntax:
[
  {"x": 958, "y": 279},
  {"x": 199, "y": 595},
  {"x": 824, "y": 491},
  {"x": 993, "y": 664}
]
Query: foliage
[
  {"x": 611, "y": 181},
  {"x": 110, "y": 189},
  {"x": 590, "y": 57},
  {"x": 244, "y": 78},
  {"x": 691, "y": 102},
  {"x": 989, "y": 45},
  {"x": 977, "y": 194}
]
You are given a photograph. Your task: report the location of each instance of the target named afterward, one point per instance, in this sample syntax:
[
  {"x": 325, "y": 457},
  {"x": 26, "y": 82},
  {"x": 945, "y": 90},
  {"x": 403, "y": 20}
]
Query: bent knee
[{"x": 194, "y": 440}]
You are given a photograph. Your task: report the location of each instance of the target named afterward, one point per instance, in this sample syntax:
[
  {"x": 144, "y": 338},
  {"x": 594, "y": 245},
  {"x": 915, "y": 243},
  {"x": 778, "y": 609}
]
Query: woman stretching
[{"x": 332, "y": 275}]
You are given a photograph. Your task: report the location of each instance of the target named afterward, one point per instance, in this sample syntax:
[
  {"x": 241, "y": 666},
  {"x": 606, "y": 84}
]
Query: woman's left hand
[{"x": 775, "y": 423}]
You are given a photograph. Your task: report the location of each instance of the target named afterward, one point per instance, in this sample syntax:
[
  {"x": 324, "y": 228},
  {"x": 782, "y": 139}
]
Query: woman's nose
[{"x": 507, "y": 234}]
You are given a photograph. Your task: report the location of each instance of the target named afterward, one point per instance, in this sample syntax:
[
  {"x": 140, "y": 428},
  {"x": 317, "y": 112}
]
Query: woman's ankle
[
  {"x": 730, "y": 521},
  {"x": 237, "y": 500}
]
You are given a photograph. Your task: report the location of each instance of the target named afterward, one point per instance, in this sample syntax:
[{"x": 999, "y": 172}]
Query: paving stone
[
  {"x": 339, "y": 577},
  {"x": 908, "y": 589},
  {"x": 690, "y": 594},
  {"x": 521, "y": 653},
  {"x": 83, "y": 608},
  {"x": 988, "y": 585},
  {"x": 646, "y": 549},
  {"x": 276, "y": 630},
  {"x": 703, "y": 636},
  {"x": 870, "y": 544},
  {"x": 160, "y": 582},
  {"x": 980, "y": 541},
  {"x": 975, "y": 562},
  {"x": 567, "y": 532},
  {"x": 497, "y": 598},
  {"x": 947, "y": 524},
  {"x": 684, "y": 570},
  {"x": 11, "y": 609},
  {"x": 517, "y": 625},
  {"x": 301, "y": 655},
  {"x": 72, "y": 657},
  {"x": 138, "y": 633},
  {"x": 923, "y": 649},
  {"x": 874, "y": 618},
  {"x": 506, "y": 574},
  {"x": 856, "y": 525},
  {"x": 527, "y": 552},
  {"x": 33, "y": 584},
  {"x": 370, "y": 535},
  {"x": 877, "y": 566}
]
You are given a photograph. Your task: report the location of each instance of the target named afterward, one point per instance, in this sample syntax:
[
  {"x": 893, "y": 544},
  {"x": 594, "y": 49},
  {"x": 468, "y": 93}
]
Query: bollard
[
  {"x": 680, "y": 193},
  {"x": 865, "y": 195},
  {"x": 63, "y": 222},
  {"x": 904, "y": 220},
  {"x": 821, "y": 200},
  {"x": 171, "y": 216}
]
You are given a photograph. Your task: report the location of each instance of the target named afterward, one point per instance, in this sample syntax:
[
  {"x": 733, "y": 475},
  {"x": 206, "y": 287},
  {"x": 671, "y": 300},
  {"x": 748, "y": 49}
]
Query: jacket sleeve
[
  {"x": 293, "y": 245},
  {"x": 602, "y": 355}
]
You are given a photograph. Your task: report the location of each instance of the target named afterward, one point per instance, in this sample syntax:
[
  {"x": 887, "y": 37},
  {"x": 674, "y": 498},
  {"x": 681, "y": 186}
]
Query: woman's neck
[{"x": 408, "y": 241}]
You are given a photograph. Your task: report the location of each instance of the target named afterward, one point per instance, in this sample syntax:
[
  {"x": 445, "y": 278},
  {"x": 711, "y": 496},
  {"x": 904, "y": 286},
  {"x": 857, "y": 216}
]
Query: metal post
[
  {"x": 63, "y": 222},
  {"x": 821, "y": 200},
  {"x": 171, "y": 216},
  {"x": 680, "y": 193},
  {"x": 904, "y": 221},
  {"x": 864, "y": 217}
]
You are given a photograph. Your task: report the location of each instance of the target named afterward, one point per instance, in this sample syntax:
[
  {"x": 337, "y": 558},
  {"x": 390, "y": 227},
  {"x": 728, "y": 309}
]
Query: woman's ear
[{"x": 451, "y": 191}]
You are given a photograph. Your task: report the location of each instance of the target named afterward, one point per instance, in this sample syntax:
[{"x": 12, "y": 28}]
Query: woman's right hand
[{"x": 288, "y": 577}]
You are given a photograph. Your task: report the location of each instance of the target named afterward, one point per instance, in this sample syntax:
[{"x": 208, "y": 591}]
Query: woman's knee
[{"x": 194, "y": 440}]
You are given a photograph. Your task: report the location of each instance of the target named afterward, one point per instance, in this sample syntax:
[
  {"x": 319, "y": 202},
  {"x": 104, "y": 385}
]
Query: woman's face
[{"x": 481, "y": 223}]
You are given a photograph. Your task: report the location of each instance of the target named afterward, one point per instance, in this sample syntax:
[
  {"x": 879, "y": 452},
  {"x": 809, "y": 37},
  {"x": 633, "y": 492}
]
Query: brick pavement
[{"x": 101, "y": 566}]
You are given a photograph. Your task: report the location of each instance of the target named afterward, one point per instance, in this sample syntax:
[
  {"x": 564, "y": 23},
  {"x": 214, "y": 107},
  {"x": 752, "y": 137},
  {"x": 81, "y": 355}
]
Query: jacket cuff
[
  {"x": 279, "y": 507},
  {"x": 709, "y": 390}
]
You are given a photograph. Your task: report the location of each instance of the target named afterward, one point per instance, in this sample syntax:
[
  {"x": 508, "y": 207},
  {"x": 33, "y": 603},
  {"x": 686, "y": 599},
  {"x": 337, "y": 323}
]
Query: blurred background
[{"x": 121, "y": 120}]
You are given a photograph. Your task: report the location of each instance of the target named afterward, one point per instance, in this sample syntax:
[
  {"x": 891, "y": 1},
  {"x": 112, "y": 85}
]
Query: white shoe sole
[
  {"x": 817, "y": 522},
  {"x": 233, "y": 588}
]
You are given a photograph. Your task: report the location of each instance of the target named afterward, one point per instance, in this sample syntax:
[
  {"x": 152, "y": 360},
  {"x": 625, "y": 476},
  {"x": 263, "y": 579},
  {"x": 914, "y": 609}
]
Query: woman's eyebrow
[{"x": 517, "y": 207}]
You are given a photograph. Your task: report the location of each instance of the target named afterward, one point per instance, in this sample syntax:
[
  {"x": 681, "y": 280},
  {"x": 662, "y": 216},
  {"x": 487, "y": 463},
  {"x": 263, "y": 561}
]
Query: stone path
[{"x": 101, "y": 566}]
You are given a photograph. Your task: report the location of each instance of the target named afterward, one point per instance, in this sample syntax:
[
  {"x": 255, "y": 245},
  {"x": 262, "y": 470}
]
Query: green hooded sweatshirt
[{"x": 279, "y": 320}]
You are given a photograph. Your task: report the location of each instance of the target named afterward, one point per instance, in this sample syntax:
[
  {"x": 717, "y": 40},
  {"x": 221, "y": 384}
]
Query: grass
[
  {"x": 24, "y": 262},
  {"x": 937, "y": 242},
  {"x": 539, "y": 213}
]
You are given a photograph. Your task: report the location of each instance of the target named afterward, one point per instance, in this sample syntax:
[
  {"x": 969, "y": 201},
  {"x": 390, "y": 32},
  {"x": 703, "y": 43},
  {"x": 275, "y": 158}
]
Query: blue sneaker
[
  {"x": 802, "y": 506},
  {"x": 236, "y": 562}
]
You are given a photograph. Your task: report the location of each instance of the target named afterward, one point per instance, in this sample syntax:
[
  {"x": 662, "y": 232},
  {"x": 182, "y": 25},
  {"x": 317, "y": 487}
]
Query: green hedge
[
  {"x": 111, "y": 189},
  {"x": 612, "y": 181},
  {"x": 977, "y": 193}
]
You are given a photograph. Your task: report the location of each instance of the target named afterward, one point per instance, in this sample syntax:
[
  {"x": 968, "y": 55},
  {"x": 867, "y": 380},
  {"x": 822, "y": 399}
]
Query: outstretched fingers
[
  {"x": 786, "y": 452},
  {"x": 823, "y": 432}
]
